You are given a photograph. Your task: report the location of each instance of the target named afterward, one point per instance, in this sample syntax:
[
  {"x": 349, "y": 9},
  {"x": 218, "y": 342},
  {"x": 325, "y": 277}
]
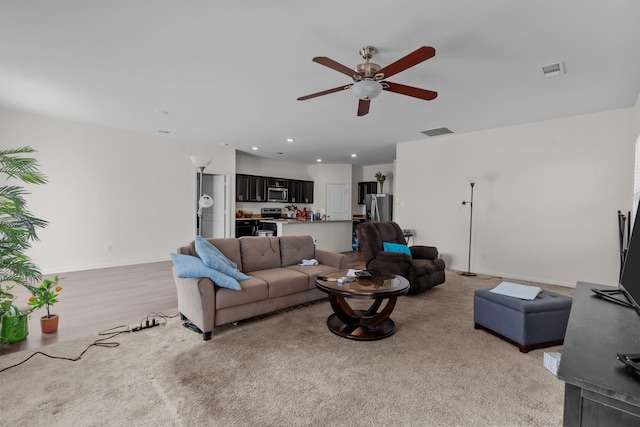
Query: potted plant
[
  {"x": 17, "y": 228},
  {"x": 291, "y": 210},
  {"x": 44, "y": 296},
  {"x": 6, "y": 301},
  {"x": 381, "y": 179}
]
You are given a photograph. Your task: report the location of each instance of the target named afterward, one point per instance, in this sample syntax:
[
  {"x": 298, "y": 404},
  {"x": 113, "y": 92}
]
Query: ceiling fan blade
[
  {"x": 416, "y": 92},
  {"x": 323, "y": 60},
  {"x": 324, "y": 92},
  {"x": 363, "y": 107},
  {"x": 417, "y": 56}
]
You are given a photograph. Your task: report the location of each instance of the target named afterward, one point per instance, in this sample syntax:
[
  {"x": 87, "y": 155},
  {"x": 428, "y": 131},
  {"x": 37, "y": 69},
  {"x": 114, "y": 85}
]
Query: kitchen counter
[
  {"x": 333, "y": 235},
  {"x": 300, "y": 221}
]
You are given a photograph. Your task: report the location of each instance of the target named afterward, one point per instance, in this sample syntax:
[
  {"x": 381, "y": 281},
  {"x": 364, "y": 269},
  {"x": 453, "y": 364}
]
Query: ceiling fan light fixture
[{"x": 366, "y": 89}]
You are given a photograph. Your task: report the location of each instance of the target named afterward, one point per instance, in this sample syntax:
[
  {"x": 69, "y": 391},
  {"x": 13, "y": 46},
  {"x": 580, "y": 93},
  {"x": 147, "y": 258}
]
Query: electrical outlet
[{"x": 107, "y": 248}]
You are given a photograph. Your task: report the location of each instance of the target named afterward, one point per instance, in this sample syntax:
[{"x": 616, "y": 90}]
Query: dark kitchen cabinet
[
  {"x": 259, "y": 189},
  {"x": 300, "y": 191},
  {"x": 307, "y": 192},
  {"x": 364, "y": 188},
  {"x": 247, "y": 227},
  {"x": 250, "y": 188},
  {"x": 243, "y": 193}
]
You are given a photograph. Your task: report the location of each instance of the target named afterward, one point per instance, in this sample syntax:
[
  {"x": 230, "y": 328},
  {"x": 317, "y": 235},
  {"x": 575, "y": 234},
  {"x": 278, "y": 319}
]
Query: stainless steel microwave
[{"x": 277, "y": 194}]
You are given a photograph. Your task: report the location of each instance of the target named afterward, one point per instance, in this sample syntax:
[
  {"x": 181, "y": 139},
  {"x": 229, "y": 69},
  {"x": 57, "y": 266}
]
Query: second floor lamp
[{"x": 470, "y": 203}]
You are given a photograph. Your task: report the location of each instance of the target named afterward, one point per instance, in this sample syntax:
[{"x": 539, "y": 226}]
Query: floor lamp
[
  {"x": 470, "y": 203},
  {"x": 204, "y": 201}
]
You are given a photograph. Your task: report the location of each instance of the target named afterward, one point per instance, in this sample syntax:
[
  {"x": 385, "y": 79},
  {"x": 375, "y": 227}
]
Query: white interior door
[
  {"x": 338, "y": 201},
  {"x": 215, "y": 218}
]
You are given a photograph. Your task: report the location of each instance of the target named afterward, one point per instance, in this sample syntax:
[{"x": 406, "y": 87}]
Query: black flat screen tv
[
  {"x": 630, "y": 280},
  {"x": 629, "y": 285}
]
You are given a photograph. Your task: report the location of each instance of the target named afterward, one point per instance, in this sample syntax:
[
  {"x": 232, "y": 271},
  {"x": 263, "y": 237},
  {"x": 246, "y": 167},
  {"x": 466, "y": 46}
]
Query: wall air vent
[
  {"x": 436, "y": 132},
  {"x": 551, "y": 70}
]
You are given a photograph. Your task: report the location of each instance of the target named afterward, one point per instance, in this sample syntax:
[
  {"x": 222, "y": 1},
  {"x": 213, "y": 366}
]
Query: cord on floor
[{"x": 152, "y": 319}]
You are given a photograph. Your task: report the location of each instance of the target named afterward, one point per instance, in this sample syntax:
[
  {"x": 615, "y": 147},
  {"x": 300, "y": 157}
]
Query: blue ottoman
[{"x": 538, "y": 323}]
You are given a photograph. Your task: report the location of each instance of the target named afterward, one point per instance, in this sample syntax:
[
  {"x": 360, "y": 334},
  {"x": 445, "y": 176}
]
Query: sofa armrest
[
  {"x": 424, "y": 252},
  {"x": 332, "y": 259},
  {"x": 197, "y": 301}
]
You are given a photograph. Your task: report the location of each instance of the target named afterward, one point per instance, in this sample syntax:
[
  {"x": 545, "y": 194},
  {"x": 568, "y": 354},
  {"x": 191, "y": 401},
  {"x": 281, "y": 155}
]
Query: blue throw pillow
[
  {"x": 396, "y": 247},
  {"x": 213, "y": 258},
  {"x": 188, "y": 266},
  {"x": 205, "y": 246}
]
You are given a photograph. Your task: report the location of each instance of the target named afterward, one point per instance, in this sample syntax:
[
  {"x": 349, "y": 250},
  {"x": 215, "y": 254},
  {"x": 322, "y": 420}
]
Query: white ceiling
[{"x": 230, "y": 71}]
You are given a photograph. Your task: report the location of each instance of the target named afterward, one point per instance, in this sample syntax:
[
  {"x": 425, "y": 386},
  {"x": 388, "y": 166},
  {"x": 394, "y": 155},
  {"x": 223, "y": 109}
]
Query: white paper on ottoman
[{"x": 517, "y": 291}]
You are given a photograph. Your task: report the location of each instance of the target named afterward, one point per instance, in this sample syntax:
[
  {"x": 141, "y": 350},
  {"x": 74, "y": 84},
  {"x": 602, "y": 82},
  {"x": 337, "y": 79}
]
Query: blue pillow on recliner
[{"x": 396, "y": 247}]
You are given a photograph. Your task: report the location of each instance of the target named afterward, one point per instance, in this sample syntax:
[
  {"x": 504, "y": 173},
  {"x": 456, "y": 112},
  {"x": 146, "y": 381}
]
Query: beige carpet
[{"x": 288, "y": 369}]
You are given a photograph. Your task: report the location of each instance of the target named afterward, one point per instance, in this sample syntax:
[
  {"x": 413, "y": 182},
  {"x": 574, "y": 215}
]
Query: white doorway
[
  {"x": 215, "y": 219},
  {"x": 338, "y": 201}
]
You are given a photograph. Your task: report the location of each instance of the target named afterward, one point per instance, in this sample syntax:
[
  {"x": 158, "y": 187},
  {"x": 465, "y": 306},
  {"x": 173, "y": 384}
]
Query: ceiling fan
[{"x": 368, "y": 78}]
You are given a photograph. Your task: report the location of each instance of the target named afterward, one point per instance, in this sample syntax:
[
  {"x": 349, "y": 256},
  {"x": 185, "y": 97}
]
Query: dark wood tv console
[{"x": 599, "y": 390}]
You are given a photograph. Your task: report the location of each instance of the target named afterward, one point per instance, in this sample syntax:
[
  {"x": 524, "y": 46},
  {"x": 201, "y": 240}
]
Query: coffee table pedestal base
[
  {"x": 361, "y": 325},
  {"x": 360, "y": 331}
]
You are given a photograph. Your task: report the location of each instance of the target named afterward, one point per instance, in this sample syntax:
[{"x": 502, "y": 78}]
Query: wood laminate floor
[{"x": 93, "y": 301}]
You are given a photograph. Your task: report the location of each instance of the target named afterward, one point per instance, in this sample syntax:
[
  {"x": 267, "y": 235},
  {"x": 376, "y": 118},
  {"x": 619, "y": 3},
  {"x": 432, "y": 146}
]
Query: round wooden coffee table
[{"x": 363, "y": 325}]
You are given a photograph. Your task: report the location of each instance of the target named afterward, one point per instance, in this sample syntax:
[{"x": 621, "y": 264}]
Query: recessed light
[
  {"x": 318, "y": 160},
  {"x": 166, "y": 132},
  {"x": 354, "y": 155},
  {"x": 161, "y": 112},
  {"x": 255, "y": 148},
  {"x": 290, "y": 139},
  {"x": 224, "y": 143}
]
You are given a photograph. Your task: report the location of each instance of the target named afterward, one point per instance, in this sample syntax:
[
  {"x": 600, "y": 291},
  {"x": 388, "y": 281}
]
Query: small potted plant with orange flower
[{"x": 45, "y": 296}]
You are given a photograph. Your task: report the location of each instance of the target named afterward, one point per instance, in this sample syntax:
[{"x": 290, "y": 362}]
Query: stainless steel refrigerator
[{"x": 379, "y": 207}]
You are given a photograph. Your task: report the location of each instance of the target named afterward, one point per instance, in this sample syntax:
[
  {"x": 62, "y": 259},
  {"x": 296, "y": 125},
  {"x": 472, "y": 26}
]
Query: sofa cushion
[
  {"x": 253, "y": 289},
  {"x": 213, "y": 258},
  {"x": 259, "y": 253},
  {"x": 293, "y": 249},
  {"x": 188, "y": 266},
  {"x": 312, "y": 271},
  {"x": 283, "y": 281}
]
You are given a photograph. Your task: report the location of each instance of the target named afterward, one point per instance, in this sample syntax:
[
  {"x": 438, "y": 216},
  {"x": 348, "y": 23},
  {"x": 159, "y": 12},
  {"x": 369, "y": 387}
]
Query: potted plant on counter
[
  {"x": 291, "y": 210},
  {"x": 44, "y": 296}
]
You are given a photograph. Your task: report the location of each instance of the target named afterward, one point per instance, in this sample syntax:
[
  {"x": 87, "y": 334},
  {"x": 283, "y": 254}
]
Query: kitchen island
[{"x": 333, "y": 235}]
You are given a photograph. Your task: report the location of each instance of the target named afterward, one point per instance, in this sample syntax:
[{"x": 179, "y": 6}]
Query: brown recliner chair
[{"x": 423, "y": 268}]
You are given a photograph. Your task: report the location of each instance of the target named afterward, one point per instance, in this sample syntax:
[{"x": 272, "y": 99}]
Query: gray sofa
[{"x": 277, "y": 280}]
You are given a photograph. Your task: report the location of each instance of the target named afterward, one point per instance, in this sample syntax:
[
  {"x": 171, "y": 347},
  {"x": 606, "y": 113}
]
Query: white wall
[
  {"x": 131, "y": 191},
  {"x": 545, "y": 200},
  {"x": 250, "y": 165}
]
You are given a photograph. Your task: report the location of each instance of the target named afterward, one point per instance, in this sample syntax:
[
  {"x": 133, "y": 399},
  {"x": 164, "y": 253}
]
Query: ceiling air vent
[
  {"x": 436, "y": 132},
  {"x": 551, "y": 70}
]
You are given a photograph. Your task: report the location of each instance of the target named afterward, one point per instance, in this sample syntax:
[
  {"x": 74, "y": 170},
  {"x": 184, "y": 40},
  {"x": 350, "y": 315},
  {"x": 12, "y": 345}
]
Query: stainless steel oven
[
  {"x": 271, "y": 213},
  {"x": 277, "y": 194}
]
